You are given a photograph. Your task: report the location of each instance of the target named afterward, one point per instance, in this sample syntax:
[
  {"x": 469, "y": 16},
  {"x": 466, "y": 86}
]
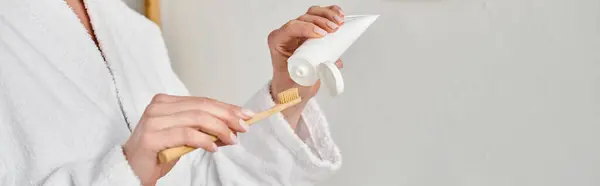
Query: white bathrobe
[{"x": 63, "y": 110}]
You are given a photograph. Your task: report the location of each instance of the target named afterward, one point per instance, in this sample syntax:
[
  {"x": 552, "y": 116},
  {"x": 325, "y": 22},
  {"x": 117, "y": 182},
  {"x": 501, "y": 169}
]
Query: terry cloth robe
[{"x": 63, "y": 107}]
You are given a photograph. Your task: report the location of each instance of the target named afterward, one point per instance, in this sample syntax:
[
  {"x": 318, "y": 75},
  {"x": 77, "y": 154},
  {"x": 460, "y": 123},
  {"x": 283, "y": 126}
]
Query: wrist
[{"x": 280, "y": 84}]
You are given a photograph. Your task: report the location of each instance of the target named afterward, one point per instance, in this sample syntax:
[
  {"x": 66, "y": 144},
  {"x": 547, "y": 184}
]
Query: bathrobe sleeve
[
  {"x": 271, "y": 153},
  {"x": 112, "y": 169}
]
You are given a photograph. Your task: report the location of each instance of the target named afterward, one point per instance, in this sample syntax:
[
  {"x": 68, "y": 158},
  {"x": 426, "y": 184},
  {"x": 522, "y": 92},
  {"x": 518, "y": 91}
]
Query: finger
[
  {"x": 194, "y": 119},
  {"x": 165, "y": 98},
  {"x": 328, "y": 13},
  {"x": 338, "y": 9},
  {"x": 221, "y": 143},
  {"x": 177, "y": 137},
  {"x": 299, "y": 29},
  {"x": 162, "y": 98},
  {"x": 233, "y": 115},
  {"x": 322, "y": 22},
  {"x": 339, "y": 64}
]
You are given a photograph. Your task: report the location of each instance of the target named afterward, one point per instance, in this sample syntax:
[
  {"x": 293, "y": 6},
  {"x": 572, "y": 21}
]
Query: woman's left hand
[{"x": 317, "y": 22}]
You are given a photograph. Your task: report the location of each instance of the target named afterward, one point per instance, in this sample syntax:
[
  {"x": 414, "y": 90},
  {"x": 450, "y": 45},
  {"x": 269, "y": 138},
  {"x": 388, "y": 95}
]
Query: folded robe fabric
[{"x": 61, "y": 121}]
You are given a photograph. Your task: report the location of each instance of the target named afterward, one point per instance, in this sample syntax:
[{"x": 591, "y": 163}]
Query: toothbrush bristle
[{"x": 288, "y": 95}]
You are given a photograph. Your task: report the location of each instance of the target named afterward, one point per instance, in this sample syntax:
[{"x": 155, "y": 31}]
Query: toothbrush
[{"x": 286, "y": 99}]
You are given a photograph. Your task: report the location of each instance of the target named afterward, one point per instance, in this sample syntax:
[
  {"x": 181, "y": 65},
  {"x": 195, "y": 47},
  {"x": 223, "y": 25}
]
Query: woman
[{"x": 88, "y": 97}]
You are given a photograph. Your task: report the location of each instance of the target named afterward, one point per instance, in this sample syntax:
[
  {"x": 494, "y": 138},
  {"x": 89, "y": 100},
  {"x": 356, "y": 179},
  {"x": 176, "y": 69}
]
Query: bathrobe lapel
[
  {"x": 132, "y": 51},
  {"x": 51, "y": 41}
]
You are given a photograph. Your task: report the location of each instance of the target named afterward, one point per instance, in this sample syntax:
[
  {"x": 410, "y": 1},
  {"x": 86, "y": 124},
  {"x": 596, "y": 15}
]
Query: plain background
[
  {"x": 438, "y": 92},
  {"x": 137, "y": 5}
]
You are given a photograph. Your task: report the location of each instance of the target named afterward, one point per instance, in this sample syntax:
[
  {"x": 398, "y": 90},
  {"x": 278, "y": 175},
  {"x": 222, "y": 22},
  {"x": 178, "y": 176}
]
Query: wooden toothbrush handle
[
  {"x": 273, "y": 110},
  {"x": 171, "y": 154}
]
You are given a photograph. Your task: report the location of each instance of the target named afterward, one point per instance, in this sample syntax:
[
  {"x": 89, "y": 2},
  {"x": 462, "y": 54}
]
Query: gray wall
[
  {"x": 439, "y": 92},
  {"x": 137, "y": 5}
]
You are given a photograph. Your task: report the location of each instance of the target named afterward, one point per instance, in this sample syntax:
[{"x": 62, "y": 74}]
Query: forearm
[{"x": 293, "y": 114}]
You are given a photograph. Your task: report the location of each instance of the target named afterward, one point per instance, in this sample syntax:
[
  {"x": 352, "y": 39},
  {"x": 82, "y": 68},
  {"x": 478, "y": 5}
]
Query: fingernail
[
  {"x": 342, "y": 13},
  {"x": 338, "y": 19},
  {"x": 215, "y": 148},
  {"x": 332, "y": 25},
  {"x": 244, "y": 125},
  {"x": 320, "y": 31},
  {"x": 248, "y": 112},
  {"x": 233, "y": 138}
]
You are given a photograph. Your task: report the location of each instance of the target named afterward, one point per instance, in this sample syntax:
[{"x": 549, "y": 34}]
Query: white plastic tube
[{"x": 315, "y": 58}]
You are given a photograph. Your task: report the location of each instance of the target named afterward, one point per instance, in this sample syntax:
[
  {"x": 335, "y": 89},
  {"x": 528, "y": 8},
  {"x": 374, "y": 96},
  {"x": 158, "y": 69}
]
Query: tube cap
[
  {"x": 302, "y": 71},
  {"x": 331, "y": 76}
]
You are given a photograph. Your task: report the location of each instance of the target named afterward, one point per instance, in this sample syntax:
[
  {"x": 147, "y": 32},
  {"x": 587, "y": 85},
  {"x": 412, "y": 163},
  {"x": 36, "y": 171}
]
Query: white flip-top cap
[{"x": 331, "y": 76}]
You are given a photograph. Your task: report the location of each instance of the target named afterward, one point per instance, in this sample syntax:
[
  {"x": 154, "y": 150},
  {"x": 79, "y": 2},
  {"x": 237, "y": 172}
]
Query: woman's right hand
[{"x": 173, "y": 121}]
